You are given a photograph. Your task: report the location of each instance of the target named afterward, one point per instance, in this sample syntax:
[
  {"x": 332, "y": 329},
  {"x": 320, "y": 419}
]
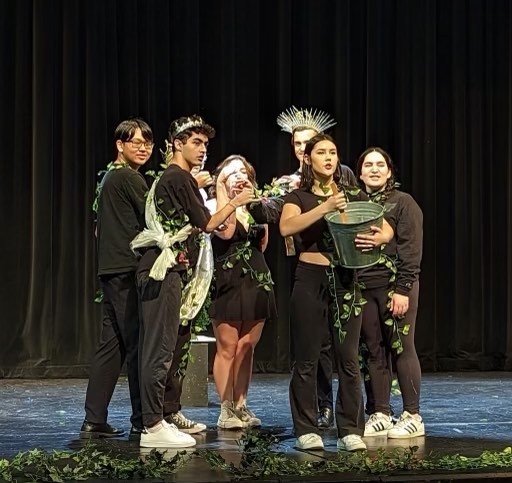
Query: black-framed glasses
[{"x": 137, "y": 144}]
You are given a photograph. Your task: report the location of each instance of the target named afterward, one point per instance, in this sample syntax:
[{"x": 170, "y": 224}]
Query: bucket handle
[{"x": 343, "y": 215}]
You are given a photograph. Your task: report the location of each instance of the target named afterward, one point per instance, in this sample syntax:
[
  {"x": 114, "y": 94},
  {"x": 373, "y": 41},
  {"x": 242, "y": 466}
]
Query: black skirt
[{"x": 242, "y": 287}]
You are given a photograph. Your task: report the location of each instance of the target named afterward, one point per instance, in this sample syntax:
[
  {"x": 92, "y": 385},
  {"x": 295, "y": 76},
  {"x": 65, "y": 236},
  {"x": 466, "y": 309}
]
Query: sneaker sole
[
  {"x": 166, "y": 444},
  {"x": 230, "y": 426},
  {"x": 358, "y": 447},
  {"x": 97, "y": 435},
  {"x": 192, "y": 430},
  {"x": 407, "y": 436},
  {"x": 384, "y": 432},
  {"x": 314, "y": 447}
]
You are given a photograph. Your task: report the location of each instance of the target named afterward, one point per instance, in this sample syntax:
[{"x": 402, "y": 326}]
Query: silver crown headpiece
[
  {"x": 188, "y": 125},
  {"x": 293, "y": 118}
]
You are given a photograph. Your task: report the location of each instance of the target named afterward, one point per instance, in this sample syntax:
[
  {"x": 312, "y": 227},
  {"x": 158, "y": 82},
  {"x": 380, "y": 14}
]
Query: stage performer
[
  {"x": 318, "y": 295},
  {"x": 303, "y": 124},
  {"x": 120, "y": 217},
  {"x": 243, "y": 297},
  {"x": 165, "y": 266},
  {"x": 391, "y": 290},
  {"x": 175, "y": 377}
]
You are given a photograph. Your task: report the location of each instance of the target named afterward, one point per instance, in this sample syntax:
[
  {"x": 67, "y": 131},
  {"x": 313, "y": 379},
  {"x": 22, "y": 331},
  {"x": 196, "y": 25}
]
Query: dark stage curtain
[{"x": 430, "y": 81}]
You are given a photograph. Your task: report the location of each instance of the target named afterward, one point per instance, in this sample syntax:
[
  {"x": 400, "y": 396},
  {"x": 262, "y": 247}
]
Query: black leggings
[
  {"x": 378, "y": 339},
  {"x": 311, "y": 321}
]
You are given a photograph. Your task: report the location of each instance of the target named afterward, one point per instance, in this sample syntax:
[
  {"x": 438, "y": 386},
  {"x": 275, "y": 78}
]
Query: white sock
[{"x": 153, "y": 429}]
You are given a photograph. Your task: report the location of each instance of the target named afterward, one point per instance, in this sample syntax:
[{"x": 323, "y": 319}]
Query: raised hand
[
  {"x": 245, "y": 196},
  {"x": 203, "y": 179}
]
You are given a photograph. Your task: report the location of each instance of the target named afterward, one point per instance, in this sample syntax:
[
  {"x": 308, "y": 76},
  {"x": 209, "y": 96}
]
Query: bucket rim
[{"x": 328, "y": 216}]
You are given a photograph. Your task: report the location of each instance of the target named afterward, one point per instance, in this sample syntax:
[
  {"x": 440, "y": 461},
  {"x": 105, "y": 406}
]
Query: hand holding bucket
[
  {"x": 361, "y": 219},
  {"x": 343, "y": 215}
]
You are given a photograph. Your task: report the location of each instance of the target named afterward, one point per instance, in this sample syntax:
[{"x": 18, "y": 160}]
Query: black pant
[
  {"x": 378, "y": 339},
  {"x": 160, "y": 306},
  {"x": 324, "y": 374},
  {"x": 176, "y": 375},
  {"x": 311, "y": 322},
  {"x": 119, "y": 341}
]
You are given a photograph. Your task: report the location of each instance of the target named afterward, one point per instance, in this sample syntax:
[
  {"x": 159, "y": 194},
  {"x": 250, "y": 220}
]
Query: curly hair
[
  {"x": 390, "y": 183},
  {"x": 197, "y": 125},
  {"x": 251, "y": 172},
  {"x": 308, "y": 177}
]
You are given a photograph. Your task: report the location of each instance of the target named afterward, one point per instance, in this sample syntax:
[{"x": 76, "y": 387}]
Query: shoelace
[
  {"x": 404, "y": 422},
  {"x": 172, "y": 426},
  {"x": 309, "y": 438},
  {"x": 247, "y": 412},
  {"x": 230, "y": 411},
  {"x": 374, "y": 419},
  {"x": 352, "y": 438},
  {"x": 184, "y": 421}
]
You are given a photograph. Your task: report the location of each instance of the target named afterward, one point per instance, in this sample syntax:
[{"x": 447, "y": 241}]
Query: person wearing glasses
[
  {"x": 177, "y": 215},
  {"x": 120, "y": 217}
]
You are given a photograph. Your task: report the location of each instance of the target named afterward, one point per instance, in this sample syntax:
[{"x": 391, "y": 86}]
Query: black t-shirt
[
  {"x": 313, "y": 238},
  {"x": 177, "y": 195},
  {"x": 120, "y": 218}
]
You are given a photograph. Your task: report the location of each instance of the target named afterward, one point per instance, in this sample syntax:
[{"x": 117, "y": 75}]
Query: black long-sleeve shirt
[
  {"x": 121, "y": 205},
  {"x": 405, "y": 217}
]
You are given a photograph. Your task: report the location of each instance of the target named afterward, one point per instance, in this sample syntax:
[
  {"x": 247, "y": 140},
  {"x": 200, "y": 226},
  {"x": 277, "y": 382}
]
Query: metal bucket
[{"x": 361, "y": 215}]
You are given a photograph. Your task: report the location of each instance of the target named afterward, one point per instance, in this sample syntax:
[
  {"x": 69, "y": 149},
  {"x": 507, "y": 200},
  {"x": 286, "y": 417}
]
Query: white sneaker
[
  {"x": 378, "y": 425},
  {"x": 248, "y": 417},
  {"x": 166, "y": 436},
  {"x": 184, "y": 424},
  {"x": 408, "y": 426},
  {"x": 351, "y": 442},
  {"x": 228, "y": 419},
  {"x": 309, "y": 441}
]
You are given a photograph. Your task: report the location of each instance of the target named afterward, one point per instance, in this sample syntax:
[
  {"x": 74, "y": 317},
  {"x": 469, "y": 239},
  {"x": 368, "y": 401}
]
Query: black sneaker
[
  {"x": 135, "y": 433},
  {"x": 99, "y": 430},
  {"x": 325, "y": 418}
]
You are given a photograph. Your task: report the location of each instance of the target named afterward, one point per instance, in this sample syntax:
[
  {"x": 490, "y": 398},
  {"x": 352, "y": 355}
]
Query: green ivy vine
[
  {"x": 353, "y": 303},
  {"x": 258, "y": 459},
  {"x": 113, "y": 165},
  {"x": 243, "y": 253},
  {"x": 395, "y": 323}
]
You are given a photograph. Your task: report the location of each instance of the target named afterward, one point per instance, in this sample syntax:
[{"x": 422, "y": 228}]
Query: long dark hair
[
  {"x": 251, "y": 172},
  {"x": 391, "y": 183},
  {"x": 307, "y": 175}
]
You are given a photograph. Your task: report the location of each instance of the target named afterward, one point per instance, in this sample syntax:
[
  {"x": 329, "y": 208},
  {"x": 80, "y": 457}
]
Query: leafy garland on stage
[{"x": 259, "y": 459}]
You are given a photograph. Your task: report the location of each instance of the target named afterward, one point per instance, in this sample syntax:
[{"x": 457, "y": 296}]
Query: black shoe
[
  {"x": 99, "y": 430},
  {"x": 135, "y": 433},
  {"x": 325, "y": 418}
]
